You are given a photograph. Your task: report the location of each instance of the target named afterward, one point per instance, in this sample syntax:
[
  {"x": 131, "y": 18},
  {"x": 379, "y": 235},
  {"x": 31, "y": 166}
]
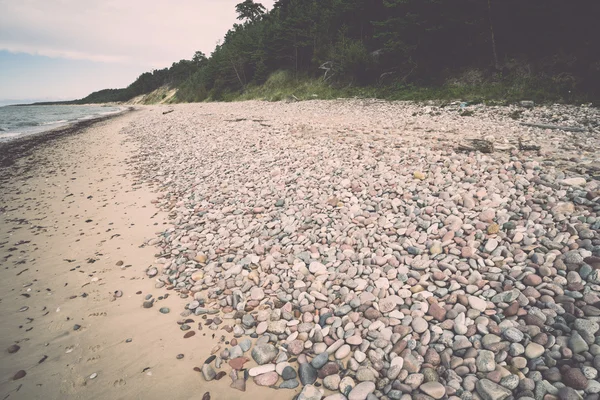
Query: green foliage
[
  {"x": 249, "y": 10},
  {"x": 545, "y": 50}
]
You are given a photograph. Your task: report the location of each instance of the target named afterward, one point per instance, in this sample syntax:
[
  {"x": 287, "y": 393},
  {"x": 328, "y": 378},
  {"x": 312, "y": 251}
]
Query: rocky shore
[{"x": 348, "y": 250}]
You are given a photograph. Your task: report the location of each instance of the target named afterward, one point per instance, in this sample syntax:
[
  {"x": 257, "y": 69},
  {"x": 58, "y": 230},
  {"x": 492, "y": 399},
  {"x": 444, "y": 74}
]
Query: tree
[
  {"x": 199, "y": 59},
  {"x": 249, "y": 10}
]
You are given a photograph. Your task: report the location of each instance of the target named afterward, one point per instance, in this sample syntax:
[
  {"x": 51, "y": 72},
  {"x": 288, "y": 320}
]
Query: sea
[{"x": 19, "y": 121}]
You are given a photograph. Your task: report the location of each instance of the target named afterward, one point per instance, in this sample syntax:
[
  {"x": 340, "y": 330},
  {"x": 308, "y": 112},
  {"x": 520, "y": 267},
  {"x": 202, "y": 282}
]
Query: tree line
[{"x": 394, "y": 43}]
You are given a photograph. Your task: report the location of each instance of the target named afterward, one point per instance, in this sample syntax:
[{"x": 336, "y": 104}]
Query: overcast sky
[{"x": 63, "y": 49}]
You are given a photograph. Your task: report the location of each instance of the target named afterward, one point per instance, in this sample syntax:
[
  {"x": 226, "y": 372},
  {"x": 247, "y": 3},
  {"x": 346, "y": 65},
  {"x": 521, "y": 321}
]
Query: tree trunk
[{"x": 496, "y": 63}]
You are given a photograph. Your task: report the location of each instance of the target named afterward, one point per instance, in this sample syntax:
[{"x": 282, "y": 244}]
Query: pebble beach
[{"x": 348, "y": 249}]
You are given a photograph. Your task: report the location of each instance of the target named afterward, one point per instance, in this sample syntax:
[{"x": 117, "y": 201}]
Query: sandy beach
[
  {"x": 72, "y": 233},
  {"x": 350, "y": 241}
]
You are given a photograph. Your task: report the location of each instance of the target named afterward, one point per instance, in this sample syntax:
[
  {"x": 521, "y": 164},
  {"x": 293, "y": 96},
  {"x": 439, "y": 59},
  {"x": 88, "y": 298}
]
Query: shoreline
[
  {"x": 20, "y": 146},
  {"x": 75, "y": 224}
]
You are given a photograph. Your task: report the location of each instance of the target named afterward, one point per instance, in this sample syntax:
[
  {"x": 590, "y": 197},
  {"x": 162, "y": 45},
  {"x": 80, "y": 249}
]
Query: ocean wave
[{"x": 61, "y": 121}]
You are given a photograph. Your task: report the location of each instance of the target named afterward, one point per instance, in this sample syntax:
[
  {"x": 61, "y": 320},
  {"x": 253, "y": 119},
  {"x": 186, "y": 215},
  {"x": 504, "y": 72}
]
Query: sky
[{"x": 66, "y": 49}]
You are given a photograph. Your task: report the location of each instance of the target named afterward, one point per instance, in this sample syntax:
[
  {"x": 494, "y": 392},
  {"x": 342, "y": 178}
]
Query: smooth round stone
[
  {"x": 13, "y": 348},
  {"x": 354, "y": 340},
  {"x": 262, "y": 327},
  {"x": 360, "y": 356},
  {"x": 332, "y": 382},
  {"x": 288, "y": 373},
  {"x": 319, "y": 348},
  {"x": 267, "y": 379},
  {"x": 307, "y": 374},
  {"x": 534, "y": 350},
  {"x": 433, "y": 389},
  {"x": 362, "y": 391},
  {"x": 320, "y": 360},
  {"x": 263, "y": 353},
  {"x": 419, "y": 325},
  {"x": 262, "y": 369},
  {"x": 342, "y": 352},
  {"x": 295, "y": 347},
  {"x": 477, "y": 304},
  {"x": 289, "y": 384}
]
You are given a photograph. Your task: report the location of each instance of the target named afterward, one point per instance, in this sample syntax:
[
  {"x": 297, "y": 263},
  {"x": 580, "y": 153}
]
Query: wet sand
[{"x": 70, "y": 212}]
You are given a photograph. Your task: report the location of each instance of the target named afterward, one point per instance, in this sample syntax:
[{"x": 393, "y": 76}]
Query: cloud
[
  {"x": 59, "y": 53},
  {"x": 152, "y": 33}
]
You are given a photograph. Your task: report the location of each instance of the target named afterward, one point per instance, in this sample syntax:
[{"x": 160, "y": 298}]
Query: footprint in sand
[
  {"x": 94, "y": 359},
  {"x": 94, "y": 349},
  {"x": 98, "y": 314},
  {"x": 119, "y": 382}
]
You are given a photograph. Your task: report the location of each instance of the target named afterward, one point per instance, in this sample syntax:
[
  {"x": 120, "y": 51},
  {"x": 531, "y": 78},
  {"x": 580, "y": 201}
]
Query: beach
[
  {"x": 350, "y": 240},
  {"x": 71, "y": 215}
]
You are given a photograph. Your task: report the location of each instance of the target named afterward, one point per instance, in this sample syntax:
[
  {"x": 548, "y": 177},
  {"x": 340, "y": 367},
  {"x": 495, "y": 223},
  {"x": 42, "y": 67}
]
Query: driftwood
[
  {"x": 526, "y": 147},
  {"x": 166, "y": 112},
  {"x": 484, "y": 146},
  {"x": 546, "y": 126}
]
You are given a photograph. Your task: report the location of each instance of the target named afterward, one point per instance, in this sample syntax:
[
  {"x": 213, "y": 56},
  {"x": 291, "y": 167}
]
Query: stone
[
  {"x": 577, "y": 343},
  {"x": 578, "y": 181},
  {"x": 433, "y": 389},
  {"x": 485, "y": 361},
  {"x": 534, "y": 350},
  {"x": 310, "y": 392},
  {"x": 266, "y": 379},
  {"x": 295, "y": 347},
  {"x": 567, "y": 393},
  {"x": 477, "y": 304},
  {"x": 307, "y": 374},
  {"x": 263, "y": 353},
  {"x": 288, "y": 373},
  {"x": 289, "y": 384},
  {"x": 208, "y": 372},
  {"x": 320, "y": 360},
  {"x": 342, "y": 352},
  {"x": 489, "y": 390},
  {"x": 532, "y": 280},
  {"x": 362, "y": 391},
  {"x": 13, "y": 348},
  {"x": 262, "y": 369},
  {"x": 332, "y": 382},
  {"x": 573, "y": 377},
  {"x": 257, "y": 293},
  {"x": 419, "y": 325},
  {"x": 437, "y": 312}
]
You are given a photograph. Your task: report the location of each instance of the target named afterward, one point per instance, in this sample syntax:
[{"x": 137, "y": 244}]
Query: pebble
[
  {"x": 307, "y": 374},
  {"x": 310, "y": 392},
  {"x": 433, "y": 389},
  {"x": 13, "y": 348},
  {"x": 20, "y": 374},
  {"x": 263, "y": 353},
  {"x": 361, "y": 391},
  {"x": 394, "y": 253},
  {"x": 266, "y": 379}
]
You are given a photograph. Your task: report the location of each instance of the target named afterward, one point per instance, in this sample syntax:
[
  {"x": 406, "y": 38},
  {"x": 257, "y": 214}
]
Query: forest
[{"x": 547, "y": 50}]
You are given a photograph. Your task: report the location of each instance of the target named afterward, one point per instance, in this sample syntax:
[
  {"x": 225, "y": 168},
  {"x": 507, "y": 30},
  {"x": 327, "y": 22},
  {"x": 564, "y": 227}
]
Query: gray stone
[
  {"x": 489, "y": 390},
  {"x": 485, "y": 361},
  {"x": 263, "y": 353},
  {"x": 320, "y": 360},
  {"x": 307, "y": 374}
]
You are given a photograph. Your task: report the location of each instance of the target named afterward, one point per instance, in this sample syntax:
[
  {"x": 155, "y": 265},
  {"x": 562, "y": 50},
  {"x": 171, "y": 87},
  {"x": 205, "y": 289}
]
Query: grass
[{"x": 283, "y": 85}]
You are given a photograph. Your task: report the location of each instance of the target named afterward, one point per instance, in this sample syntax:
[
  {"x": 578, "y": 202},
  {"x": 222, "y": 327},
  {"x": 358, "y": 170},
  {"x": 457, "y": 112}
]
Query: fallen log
[
  {"x": 546, "y": 126},
  {"x": 526, "y": 147},
  {"x": 484, "y": 146},
  {"x": 166, "y": 112}
]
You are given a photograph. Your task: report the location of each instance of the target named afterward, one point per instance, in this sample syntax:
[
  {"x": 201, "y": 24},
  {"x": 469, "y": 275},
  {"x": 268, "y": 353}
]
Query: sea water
[{"x": 17, "y": 121}]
